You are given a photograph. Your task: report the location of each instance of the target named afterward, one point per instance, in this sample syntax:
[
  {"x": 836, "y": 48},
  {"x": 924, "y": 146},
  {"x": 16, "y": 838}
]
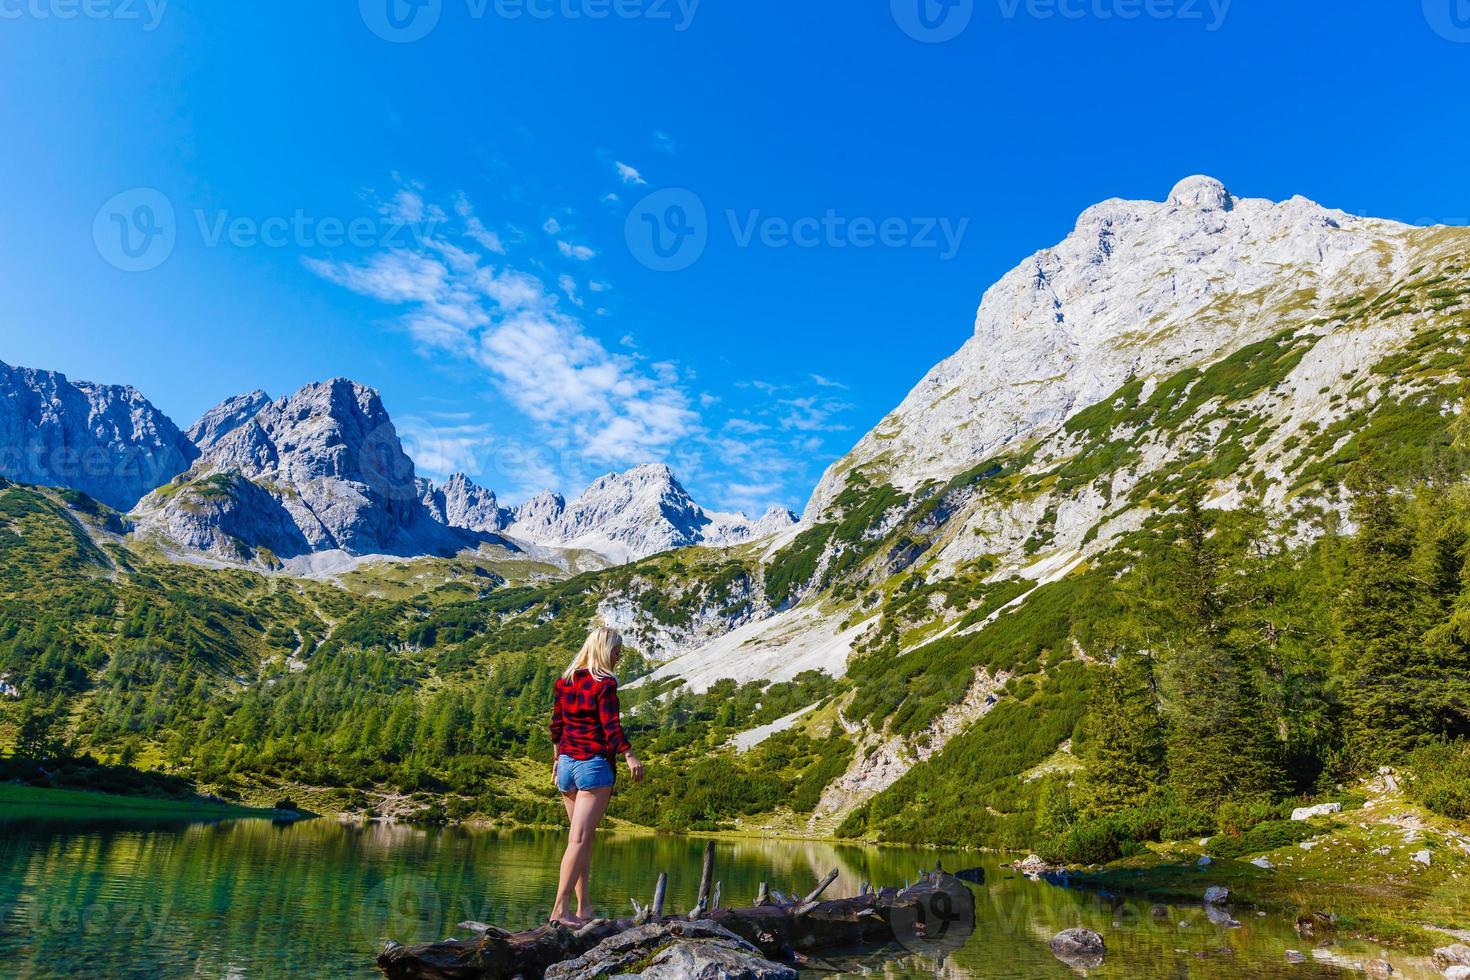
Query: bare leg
[
  {"x": 576, "y": 864},
  {"x": 570, "y": 800},
  {"x": 559, "y": 907}
]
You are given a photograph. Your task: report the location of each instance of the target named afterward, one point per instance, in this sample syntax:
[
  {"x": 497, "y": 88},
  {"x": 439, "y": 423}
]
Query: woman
[{"x": 587, "y": 735}]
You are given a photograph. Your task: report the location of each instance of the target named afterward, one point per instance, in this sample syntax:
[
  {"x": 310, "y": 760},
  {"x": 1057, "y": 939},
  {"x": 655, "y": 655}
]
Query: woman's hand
[{"x": 635, "y": 766}]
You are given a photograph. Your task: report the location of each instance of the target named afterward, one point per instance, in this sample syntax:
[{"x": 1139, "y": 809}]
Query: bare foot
[{"x": 569, "y": 921}]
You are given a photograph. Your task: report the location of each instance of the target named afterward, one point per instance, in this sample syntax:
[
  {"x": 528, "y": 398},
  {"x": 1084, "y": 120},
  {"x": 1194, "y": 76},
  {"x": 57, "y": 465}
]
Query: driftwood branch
[
  {"x": 938, "y": 912},
  {"x": 702, "y": 902},
  {"x": 762, "y": 896},
  {"x": 821, "y": 886},
  {"x": 657, "y": 909}
]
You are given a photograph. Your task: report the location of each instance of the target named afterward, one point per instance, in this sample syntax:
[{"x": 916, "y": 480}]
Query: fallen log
[{"x": 934, "y": 916}]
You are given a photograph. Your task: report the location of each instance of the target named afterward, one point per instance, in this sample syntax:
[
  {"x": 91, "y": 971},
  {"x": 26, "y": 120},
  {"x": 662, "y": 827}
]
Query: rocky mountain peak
[
  {"x": 105, "y": 440},
  {"x": 463, "y": 504},
  {"x": 630, "y": 515},
  {"x": 321, "y": 469},
  {"x": 1138, "y": 289},
  {"x": 1202, "y": 194},
  {"x": 226, "y": 417}
]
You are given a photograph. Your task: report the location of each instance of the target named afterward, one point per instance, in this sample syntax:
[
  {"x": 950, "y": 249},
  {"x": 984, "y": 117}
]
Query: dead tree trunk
[{"x": 936, "y": 914}]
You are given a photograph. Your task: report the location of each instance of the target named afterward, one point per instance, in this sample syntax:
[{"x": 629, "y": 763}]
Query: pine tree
[
  {"x": 1383, "y": 615},
  {"x": 1124, "y": 750},
  {"x": 1220, "y": 743}
]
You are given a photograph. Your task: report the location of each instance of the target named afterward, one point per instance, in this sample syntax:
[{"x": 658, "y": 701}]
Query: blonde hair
[{"x": 598, "y": 654}]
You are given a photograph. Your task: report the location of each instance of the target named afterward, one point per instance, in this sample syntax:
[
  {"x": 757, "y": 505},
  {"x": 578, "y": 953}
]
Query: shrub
[
  {"x": 1266, "y": 836},
  {"x": 1438, "y": 776}
]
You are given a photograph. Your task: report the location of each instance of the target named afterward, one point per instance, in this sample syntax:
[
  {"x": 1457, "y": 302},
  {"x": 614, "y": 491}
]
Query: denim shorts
[{"x": 578, "y": 774}]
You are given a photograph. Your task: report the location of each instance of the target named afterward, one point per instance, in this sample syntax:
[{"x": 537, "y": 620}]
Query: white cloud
[
  {"x": 568, "y": 285},
  {"x": 611, "y": 200},
  {"x": 628, "y": 174},
  {"x": 824, "y": 382},
  {"x": 604, "y": 408},
  {"x": 579, "y": 252},
  {"x": 812, "y": 414},
  {"x": 552, "y": 226},
  {"x": 439, "y": 448},
  {"x": 475, "y": 228}
]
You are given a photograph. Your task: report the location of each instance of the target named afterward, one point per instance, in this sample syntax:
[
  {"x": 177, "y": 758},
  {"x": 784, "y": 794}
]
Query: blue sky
[{"x": 463, "y": 221}]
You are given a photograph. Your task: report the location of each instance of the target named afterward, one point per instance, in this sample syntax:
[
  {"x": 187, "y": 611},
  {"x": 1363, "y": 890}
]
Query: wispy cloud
[
  {"x": 825, "y": 382},
  {"x": 579, "y": 252},
  {"x": 663, "y": 142},
  {"x": 604, "y": 407},
  {"x": 628, "y": 174}
]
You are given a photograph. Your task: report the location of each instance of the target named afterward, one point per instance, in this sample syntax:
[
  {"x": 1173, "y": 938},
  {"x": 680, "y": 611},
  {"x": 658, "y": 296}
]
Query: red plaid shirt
[{"x": 585, "y": 718}]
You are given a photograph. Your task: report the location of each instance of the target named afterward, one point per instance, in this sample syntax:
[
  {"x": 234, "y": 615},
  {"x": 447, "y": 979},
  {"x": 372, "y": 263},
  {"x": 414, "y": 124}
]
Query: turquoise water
[{"x": 250, "y": 899}]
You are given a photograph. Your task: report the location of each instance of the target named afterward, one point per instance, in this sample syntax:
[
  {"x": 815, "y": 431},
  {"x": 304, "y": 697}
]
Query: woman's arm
[
  {"x": 557, "y": 724},
  {"x": 610, "y": 714}
]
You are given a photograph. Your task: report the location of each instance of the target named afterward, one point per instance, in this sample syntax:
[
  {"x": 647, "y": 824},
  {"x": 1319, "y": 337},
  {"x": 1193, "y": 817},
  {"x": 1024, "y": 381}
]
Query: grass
[
  {"x": 32, "y": 801},
  {"x": 1353, "y": 872}
]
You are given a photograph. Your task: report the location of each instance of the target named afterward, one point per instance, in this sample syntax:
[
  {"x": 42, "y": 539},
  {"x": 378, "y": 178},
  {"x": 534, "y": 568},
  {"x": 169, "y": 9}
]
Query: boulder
[
  {"x": 1263, "y": 864},
  {"x": 1424, "y": 858},
  {"x": 1081, "y": 948},
  {"x": 698, "y": 950},
  {"x": 1320, "y": 810},
  {"x": 1217, "y": 895},
  {"x": 1457, "y": 973},
  {"x": 974, "y": 875},
  {"x": 1378, "y": 968},
  {"x": 1295, "y": 956},
  {"x": 1448, "y": 956},
  {"x": 1204, "y": 862},
  {"x": 1033, "y": 866}
]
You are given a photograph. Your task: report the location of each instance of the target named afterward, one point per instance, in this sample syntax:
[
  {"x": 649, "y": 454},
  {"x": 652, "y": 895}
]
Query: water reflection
[{"x": 317, "y": 899}]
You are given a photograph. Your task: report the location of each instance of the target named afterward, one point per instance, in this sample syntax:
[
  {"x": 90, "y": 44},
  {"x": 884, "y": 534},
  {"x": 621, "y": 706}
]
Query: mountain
[
  {"x": 105, "y": 440},
  {"x": 1139, "y": 289},
  {"x": 319, "y": 470},
  {"x": 1189, "y": 459},
  {"x": 627, "y": 516},
  {"x": 226, "y": 417},
  {"x": 463, "y": 504}
]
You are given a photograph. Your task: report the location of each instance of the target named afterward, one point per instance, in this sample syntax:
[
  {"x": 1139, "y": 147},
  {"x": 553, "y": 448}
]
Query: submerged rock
[
  {"x": 1080, "y": 948},
  {"x": 698, "y": 950}
]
